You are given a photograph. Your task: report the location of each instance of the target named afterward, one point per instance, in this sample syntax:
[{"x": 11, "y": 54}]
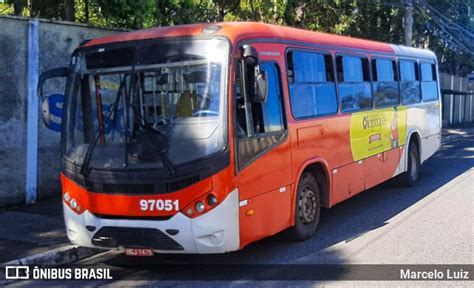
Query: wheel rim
[
  {"x": 307, "y": 205},
  {"x": 414, "y": 166}
]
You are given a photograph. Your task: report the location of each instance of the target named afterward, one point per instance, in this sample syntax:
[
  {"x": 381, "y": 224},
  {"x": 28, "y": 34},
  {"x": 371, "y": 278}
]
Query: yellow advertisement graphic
[{"x": 375, "y": 131}]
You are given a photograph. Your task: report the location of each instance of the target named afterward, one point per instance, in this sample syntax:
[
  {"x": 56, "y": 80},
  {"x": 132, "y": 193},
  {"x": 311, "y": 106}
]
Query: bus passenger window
[
  {"x": 429, "y": 89},
  {"x": 409, "y": 82},
  {"x": 312, "y": 87},
  {"x": 354, "y": 83},
  {"x": 385, "y": 87}
]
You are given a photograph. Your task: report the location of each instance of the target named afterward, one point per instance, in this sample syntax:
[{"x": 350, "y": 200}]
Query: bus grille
[
  {"x": 143, "y": 189},
  {"x": 134, "y": 238},
  {"x": 180, "y": 184}
]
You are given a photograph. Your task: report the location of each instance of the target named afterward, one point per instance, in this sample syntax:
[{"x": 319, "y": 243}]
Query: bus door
[{"x": 263, "y": 158}]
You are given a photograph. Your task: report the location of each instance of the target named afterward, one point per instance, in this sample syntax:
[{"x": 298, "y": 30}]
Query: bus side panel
[
  {"x": 391, "y": 160},
  {"x": 347, "y": 181},
  {"x": 326, "y": 138},
  {"x": 430, "y": 145},
  {"x": 431, "y": 131},
  {"x": 373, "y": 171},
  {"x": 352, "y": 179},
  {"x": 424, "y": 119},
  {"x": 265, "y": 215},
  {"x": 381, "y": 167}
]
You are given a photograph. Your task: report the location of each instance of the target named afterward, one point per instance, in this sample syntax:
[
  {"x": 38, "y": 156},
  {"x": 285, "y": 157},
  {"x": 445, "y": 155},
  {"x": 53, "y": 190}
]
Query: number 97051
[{"x": 159, "y": 205}]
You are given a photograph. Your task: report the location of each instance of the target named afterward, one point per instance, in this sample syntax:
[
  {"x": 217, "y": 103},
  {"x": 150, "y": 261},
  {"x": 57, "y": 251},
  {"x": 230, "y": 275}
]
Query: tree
[
  {"x": 18, "y": 6},
  {"x": 268, "y": 11},
  {"x": 53, "y": 9},
  {"x": 224, "y": 7},
  {"x": 69, "y": 10},
  {"x": 175, "y": 12},
  {"x": 135, "y": 14},
  {"x": 446, "y": 27}
]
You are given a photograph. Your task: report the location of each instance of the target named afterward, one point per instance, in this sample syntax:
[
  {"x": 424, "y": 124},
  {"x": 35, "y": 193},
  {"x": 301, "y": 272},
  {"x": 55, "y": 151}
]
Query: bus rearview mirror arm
[{"x": 53, "y": 73}]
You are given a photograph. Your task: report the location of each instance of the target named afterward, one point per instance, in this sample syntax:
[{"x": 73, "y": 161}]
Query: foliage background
[{"x": 446, "y": 27}]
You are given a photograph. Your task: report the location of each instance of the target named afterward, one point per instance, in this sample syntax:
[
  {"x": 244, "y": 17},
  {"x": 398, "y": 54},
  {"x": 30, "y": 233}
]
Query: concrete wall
[
  {"x": 57, "y": 40},
  {"x": 13, "y": 92}
]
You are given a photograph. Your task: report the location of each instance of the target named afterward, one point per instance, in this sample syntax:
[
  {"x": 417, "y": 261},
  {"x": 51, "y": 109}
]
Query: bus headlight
[
  {"x": 200, "y": 207},
  {"x": 211, "y": 199},
  {"x": 72, "y": 203}
]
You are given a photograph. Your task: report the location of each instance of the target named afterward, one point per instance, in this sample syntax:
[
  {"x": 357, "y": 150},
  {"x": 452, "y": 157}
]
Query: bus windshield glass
[{"x": 146, "y": 105}]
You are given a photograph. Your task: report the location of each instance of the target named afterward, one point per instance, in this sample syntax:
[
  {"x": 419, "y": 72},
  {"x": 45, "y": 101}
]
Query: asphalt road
[{"x": 431, "y": 223}]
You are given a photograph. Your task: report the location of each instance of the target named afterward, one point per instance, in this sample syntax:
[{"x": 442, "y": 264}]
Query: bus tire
[
  {"x": 307, "y": 208},
  {"x": 410, "y": 177}
]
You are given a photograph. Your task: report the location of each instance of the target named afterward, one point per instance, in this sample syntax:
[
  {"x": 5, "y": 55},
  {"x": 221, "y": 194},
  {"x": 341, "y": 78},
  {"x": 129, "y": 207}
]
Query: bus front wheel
[{"x": 307, "y": 208}]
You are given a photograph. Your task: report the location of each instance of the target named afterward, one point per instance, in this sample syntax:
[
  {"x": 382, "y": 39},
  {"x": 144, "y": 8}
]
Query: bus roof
[{"x": 237, "y": 31}]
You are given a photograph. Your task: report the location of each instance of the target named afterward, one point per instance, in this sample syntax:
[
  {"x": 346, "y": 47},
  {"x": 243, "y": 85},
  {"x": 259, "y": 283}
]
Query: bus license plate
[{"x": 144, "y": 252}]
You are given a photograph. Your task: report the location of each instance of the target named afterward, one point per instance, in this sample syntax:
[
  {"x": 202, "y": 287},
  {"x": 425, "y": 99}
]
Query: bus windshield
[{"x": 146, "y": 105}]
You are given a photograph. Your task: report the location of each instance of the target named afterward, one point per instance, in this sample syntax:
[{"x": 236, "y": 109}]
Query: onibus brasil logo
[{"x": 53, "y": 273}]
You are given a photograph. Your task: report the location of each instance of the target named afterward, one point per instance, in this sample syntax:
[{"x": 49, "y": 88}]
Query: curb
[{"x": 55, "y": 257}]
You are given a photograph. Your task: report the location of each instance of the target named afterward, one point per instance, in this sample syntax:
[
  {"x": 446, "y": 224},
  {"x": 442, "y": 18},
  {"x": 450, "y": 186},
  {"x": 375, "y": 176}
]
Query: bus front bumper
[{"x": 216, "y": 231}]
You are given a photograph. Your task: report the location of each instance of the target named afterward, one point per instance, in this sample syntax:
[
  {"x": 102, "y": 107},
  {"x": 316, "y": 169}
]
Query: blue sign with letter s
[{"x": 55, "y": 103}]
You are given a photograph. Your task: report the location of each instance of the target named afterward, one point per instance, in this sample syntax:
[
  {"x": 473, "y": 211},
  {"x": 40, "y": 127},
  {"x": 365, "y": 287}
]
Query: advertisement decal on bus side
[{"x": 376, "y": 131}]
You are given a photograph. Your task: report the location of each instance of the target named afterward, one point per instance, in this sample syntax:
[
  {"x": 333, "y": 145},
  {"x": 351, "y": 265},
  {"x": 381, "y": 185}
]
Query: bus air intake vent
[
  {"x": 182, "y": 183},
  {"x": 129, "y": 237},
  {"x": 128, "y": 188},
  {"x": 122, "y": 217}
]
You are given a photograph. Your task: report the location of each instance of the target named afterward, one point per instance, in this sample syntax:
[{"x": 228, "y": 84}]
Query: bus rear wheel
[
  {"x": 410, "y": 177},
  {"x": 307, "y": 208}
]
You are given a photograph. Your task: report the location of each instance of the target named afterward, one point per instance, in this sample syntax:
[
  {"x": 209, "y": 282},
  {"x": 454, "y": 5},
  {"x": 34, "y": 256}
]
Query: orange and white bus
[{"x": 205, "y": 138}]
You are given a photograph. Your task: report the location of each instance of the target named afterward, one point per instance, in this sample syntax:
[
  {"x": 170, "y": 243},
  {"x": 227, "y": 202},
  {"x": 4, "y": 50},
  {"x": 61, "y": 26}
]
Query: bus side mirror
[
  {"x": 250, "y": 55},
  {"x": 52, "y": 105},
  {"x": 259, "y": 87}
]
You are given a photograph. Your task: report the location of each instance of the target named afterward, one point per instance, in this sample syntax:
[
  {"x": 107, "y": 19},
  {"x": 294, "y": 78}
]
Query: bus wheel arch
[
  {"x": 313, "y": 181},
  {"x": 307, "y": 208},
  {"x": 414, "y": 136},
  {"x": 320, "y": 172},
  {"x": 413, "y": 161}
]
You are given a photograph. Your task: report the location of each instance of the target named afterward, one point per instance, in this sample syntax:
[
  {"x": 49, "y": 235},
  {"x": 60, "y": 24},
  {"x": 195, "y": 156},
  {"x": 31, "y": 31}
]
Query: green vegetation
[{"x": 447, "y": 27}]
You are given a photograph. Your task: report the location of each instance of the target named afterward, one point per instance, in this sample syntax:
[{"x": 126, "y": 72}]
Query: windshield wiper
[
  {"x": 110, "y": 119},
  {"x": 151, "y": 144},
  {"x": 166, "y": 161},
  {"x": 113, "y": 110}
]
